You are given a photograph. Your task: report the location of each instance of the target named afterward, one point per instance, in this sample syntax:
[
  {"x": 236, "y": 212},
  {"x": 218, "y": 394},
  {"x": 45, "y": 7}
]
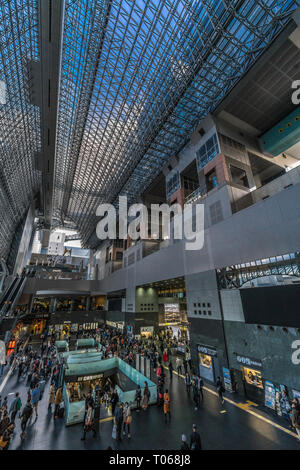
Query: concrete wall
[
  {"x": 202, "y": 296},
  {"x": 269, "y": 228},
  {"x": 272, "y": 347}
]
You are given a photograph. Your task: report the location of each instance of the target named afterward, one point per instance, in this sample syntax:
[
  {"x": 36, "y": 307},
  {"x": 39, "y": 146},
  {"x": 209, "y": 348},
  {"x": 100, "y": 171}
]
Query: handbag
[
  {"x": 2, "y": 442},
  {"x": 129, "y": 419}
]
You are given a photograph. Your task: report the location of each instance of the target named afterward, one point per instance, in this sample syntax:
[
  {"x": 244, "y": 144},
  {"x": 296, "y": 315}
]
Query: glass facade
[{"x": 207, "y": 151}]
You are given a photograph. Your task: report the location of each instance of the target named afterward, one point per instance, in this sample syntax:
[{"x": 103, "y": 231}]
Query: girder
[
  {"x": 19, "y": 120},
  {"x": 134, "y": 80},
  {"x": 154, "y": 71}
]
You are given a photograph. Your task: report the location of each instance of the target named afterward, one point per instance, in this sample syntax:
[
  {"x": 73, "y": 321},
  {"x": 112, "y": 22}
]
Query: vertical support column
[
  {"x": 51, "y": 15},
  {"x": 207, "y": 325}
]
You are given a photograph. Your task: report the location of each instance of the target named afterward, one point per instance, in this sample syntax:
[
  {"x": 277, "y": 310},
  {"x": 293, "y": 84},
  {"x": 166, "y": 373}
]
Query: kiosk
[
  {"x": 61, "y": 346},
  {"x": 86, "y": 372}
]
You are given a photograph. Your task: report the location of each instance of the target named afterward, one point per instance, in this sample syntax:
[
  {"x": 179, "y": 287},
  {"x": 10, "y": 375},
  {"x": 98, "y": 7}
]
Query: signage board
[
  {"x": 249, "y": 361},
  {"x": 227, "y": 379},
  {"x": 89, "y": 377},
  {"x": 207, "y": 350}
]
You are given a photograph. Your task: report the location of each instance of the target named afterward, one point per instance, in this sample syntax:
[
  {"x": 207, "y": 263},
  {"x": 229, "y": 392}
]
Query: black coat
[{"x": 195, "y": 442}]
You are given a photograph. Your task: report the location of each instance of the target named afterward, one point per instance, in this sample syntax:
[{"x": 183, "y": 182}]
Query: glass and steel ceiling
[
  {"x": 136, "y": 77},
  {"x": 19, "y": 120}
]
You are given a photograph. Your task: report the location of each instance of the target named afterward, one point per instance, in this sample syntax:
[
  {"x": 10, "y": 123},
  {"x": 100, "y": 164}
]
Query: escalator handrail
[
  {"x": 13, "y": 293},
  {"x": 7, "y": 293}
]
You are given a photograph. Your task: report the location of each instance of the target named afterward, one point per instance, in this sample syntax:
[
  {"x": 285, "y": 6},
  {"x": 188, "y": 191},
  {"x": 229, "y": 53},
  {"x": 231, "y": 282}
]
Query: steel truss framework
[
  {"x": 19, "y": 121},
  {"x": 233, "y": 277},
  {"x": 137, "y": 76}
]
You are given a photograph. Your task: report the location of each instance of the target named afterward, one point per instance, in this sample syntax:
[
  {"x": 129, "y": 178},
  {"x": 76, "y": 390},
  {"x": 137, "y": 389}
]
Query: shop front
[
  {"x": 147, "y": 331},
  {"x": 87, "y": 372},
  {"x": 208, "y": 362},
  {"x": 253, "y": 382},
  {"x": 120, "y": 325}
]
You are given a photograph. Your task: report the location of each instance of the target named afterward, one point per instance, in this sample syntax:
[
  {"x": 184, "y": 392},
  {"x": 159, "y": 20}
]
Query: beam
[{"x": 51, "y": 13}]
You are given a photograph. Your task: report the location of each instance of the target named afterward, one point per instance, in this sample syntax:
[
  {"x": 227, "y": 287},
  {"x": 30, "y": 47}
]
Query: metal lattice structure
[
  {"x": 19, "y": 120},
  {"x": 134, "y": 89},
  {"x": 233, "y": 277},
  {"x": 136, "y": 77}
]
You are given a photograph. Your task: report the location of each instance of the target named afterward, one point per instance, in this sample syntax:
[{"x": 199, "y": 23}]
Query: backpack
[{"x": 18, "y": 404}]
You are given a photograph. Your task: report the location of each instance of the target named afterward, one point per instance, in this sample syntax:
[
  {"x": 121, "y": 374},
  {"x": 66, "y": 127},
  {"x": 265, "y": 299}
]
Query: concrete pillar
[{"x": 205, "y": 317}]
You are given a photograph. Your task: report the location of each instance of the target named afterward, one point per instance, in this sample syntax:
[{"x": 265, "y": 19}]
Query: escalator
[
  {"x": 11, "y": 296},
  {"x": 7, "y": 293}
]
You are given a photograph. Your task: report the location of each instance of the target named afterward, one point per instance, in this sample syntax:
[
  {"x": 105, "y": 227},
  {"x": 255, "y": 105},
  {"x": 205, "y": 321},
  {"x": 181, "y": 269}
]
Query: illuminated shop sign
[
  {"x": 248, "y": 361},
  {"x": 89, "y": 377},
  {"x": 207, "y": 350}
]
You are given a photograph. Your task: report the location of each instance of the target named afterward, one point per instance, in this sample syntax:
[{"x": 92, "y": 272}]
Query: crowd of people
[
  {"x": 37, "y": 365},
  {"x": 34, "y": 367}
]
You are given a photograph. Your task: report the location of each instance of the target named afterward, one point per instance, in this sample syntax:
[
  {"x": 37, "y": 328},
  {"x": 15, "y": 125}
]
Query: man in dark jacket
[
  {"x": 195, "y": 441},
  {"x": 119, "y": 420},
  {"x": 138, "y": 398},
  {"x": 14, "y": 407},
  {"x": 25, "y": 416},
  {"x": 114, "y": 400}
]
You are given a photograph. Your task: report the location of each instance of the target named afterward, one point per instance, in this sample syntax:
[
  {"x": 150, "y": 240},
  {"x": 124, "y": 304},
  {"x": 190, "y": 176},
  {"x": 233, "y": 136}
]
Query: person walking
[
  {"x": 200, "y": 384},
  {"x": 187, "y": 381},
  {"x": 195, "y": 394},
  {"x": 195, "y": 440},
  {"x": 220, "y": 389},
  {"x": 138, "y": 398},
  {"x": 89, "y": 422},
  {"x": 25, "y": 417},
  {"x": 167, "y": 406},
  {"x": 119, "y": 421},
  {"x": 179, "y": 366},
  {"x": 114, "y": 400},
  {"x": 15, "y": 407},
  {"x": 184, "y": 444},
  {"x": 127, "y": 420},
  {"x": 35, "y": 396},
  {"x": 57, "y": 402},
  {"x": 146, "y": 397},
  {"x": 51, "y": 397},
  {"x": 296, "y": 416},
  {"x": 171, "y": 370}
]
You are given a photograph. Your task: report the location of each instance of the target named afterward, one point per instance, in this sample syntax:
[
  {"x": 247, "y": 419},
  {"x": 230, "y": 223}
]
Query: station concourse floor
[{"x": 227, "y": 427}]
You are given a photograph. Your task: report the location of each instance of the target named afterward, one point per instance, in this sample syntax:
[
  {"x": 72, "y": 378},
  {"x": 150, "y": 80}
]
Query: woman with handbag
[
  {"x": 89, "y": 422},
  {"x": 127, "y": 420},
  {"x": 146, "y": 397}
]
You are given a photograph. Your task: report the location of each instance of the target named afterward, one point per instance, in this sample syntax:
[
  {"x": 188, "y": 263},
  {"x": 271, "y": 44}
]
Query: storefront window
[
  {"x": 205, "y": 360},
  {"x": 253, "y": 377}
]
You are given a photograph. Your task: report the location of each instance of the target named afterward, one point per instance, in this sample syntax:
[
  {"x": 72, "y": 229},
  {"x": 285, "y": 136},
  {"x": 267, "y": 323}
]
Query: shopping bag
[{"x": 114, "y": 432}]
